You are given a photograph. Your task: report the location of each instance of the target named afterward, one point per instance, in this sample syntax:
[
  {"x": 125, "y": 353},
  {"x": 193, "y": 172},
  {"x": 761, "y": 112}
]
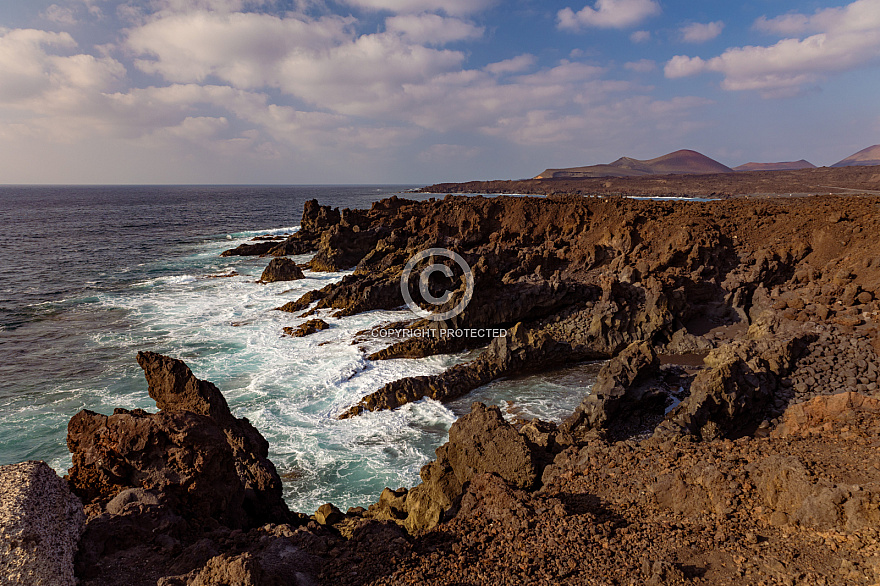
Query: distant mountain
[
  {"x": 678, "y": 163},
  {"x": 787, "y": 166},
  {"x": 863, "y": 158}
]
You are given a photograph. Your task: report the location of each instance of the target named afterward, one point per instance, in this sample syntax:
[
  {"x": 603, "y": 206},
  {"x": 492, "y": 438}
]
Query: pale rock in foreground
[{"x": 40, "y": 525}]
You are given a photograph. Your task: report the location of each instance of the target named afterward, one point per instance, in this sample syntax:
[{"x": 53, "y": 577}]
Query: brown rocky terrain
[
  {"x": 823, "y": 180},
  {"x": 731, "y": 436}
]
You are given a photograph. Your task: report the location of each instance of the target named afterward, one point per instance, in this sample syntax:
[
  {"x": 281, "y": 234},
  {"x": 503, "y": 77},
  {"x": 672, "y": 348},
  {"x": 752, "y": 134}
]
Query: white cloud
[
  {"x": 848, "y": 38},
  {"x": 241, "y": 48},
  {"x": 640, "y": 37},
  {"x": 683, "y": 66},
  {"x": 451, "y": 7},
  {"x": 31, "y": 72},
  {"x": 513, "y": 65},
  {"x": 786, "y": 25},
  {"x": 641, "y": 66},
  {"x": 63, "y": 15},
  {"x": 608, "y": 14},
  {"x": 432, "y": 29},
  {"x": 250, "y": 86},
  {"x": 700, "y": 33}
]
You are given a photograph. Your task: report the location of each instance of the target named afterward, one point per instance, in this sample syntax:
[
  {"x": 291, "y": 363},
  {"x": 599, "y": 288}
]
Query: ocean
[{"x": 89, "y": 276}]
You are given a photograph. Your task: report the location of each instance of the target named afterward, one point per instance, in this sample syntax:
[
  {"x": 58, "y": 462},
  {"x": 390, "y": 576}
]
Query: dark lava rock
[
  {"x": 308, "y": 328},
  {"x": 620, "y": 389},
  {"x": 255, "y": 249},
  {"x": 733, "y": 395},
  {"x": 203, "y": 462},
  {"x": 481, "y": 442},
  {"x": 281, "y": 269}
]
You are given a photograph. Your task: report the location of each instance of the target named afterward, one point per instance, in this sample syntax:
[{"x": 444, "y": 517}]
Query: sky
[{"x": 422, "y": 91}]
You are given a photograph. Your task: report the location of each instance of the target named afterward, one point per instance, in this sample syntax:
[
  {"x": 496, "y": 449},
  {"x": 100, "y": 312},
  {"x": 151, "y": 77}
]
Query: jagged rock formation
[
  {"x": 481, "y": 442},
  {"x": 579, "y": 278},
  {"x": 194, "y": 451},
  {"x": 187, "y": 469},
  {"x": 40, "y": 525},
  {"x": 713, "y": 449}
]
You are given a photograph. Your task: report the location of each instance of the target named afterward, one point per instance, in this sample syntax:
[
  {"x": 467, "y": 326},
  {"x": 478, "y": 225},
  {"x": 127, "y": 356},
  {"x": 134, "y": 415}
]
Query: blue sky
[{"x": 419, "y": 91}]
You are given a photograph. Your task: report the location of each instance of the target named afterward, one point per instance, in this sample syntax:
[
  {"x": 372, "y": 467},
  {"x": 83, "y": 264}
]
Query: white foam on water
[{"x": 292, "y": 389}]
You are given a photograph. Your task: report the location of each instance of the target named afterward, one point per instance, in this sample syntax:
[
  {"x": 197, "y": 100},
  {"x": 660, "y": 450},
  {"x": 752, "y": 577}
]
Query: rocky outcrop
[
  {"x": 787, "y": 488},
  {"x": 620, "y": 390},
  {"x": 281, "y": 269},
  {"x": 155, "y": 484},
  {"x": 734, "y": 394},
  {"x": 307, "y": 329},
  {"x": 200, "y": 460},
  {"x": 246, "y": 249},
  {"x": 40, "y": 525},
  {"x": 480, "y": 443},
  {"x": 272, "y": 562},
  {"x": 824, "y": 413}
]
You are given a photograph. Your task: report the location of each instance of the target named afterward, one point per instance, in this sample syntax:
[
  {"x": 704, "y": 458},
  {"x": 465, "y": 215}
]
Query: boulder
[
  {"x": 481, "y": 442},
  {"x": 307, "y": 329},
  {"x": 271, "y": 562},
  {"x": 328, "y": 514},
  {"x": 281, "y": 269},
  {"x": 256, "y": 249},
  {"x": 40, "y": 525}
]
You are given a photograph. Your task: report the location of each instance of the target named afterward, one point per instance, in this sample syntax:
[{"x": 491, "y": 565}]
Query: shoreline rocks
[
  {"x": 738, "y": 467},
  {"x": 583, "y": 278},
  {"x": 281, "y": 269}
]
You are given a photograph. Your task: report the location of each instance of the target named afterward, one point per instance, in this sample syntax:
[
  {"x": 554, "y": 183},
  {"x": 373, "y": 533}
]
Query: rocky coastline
[{"x": 732, "y": 436}]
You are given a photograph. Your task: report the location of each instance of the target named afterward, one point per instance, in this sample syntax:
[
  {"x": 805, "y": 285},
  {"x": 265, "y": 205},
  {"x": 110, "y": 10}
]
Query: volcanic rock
[
  {"x": 40, "y": 525},
  {"x": 281, "y": 269},
  {"x": 307, "y": 329},
  {"x": 619, "y": 390},
  {"x": 256, "y": 249},
  {"x": 734, "y": 393},
  {"x": 480, "y": 442},
  {"x": 205, "y": 463}
]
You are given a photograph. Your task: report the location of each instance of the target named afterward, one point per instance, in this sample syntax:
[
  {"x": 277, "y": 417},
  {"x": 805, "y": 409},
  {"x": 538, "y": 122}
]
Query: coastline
[{"x": 745, "y": 465}]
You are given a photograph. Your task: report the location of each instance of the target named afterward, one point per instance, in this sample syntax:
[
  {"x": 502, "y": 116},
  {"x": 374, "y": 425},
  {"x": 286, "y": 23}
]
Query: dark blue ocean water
[{"x": 91, "y": 275}]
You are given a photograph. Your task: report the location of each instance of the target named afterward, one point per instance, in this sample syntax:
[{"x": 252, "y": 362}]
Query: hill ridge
[
  {"x": 865, "y": 157},
  {"x": 680, "y": 162}
]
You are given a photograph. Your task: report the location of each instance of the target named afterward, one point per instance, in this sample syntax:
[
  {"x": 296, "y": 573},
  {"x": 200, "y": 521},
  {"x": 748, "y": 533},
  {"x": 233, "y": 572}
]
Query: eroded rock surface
[
  {"x": 41, "y": 521},
  {"x": 163, "y": 479}
]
